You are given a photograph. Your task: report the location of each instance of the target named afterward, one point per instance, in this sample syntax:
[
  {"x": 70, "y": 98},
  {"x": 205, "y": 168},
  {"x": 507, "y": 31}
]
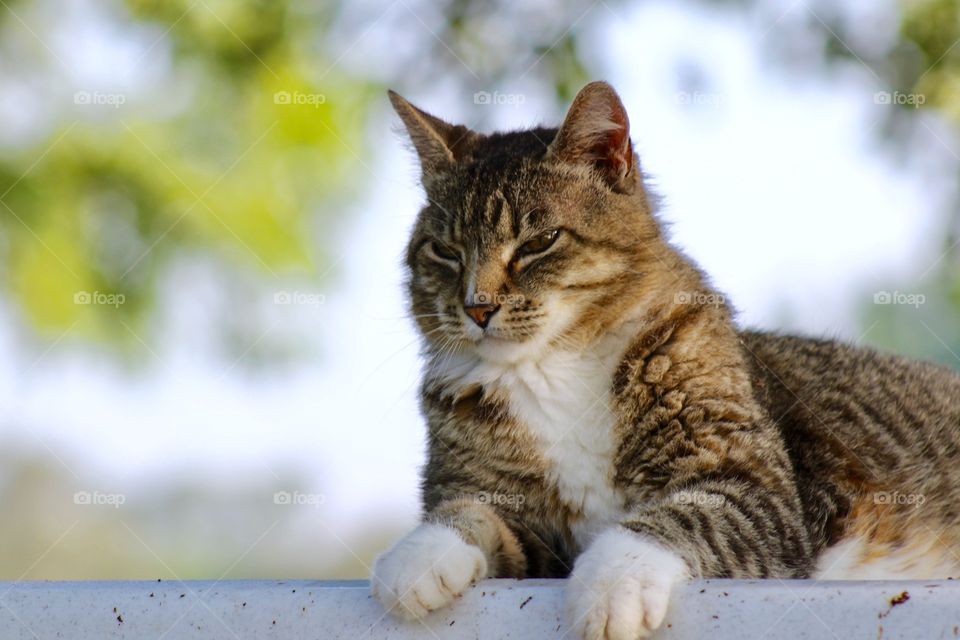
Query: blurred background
[{"x": 206, "y": 368}]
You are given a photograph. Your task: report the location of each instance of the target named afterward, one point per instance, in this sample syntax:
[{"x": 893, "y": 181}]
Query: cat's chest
[
  {"x": 563, "y": 399},
  {"x": 565, "y": 403}
]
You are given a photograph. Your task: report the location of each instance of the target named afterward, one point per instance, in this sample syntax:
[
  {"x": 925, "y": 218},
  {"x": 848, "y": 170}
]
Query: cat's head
[{"x": 529, "y": 239}]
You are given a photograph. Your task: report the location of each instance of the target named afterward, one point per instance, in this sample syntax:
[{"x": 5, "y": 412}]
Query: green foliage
[
  {"x": 241, "y": 171},
  {"x": 933, "y": 26}
]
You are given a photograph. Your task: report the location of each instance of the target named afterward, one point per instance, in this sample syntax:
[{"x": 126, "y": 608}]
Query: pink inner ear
[
  {"x": 611, "y": 148},
  {"x": 619, "y": 150},
  {"x": 596, "y": 131}
]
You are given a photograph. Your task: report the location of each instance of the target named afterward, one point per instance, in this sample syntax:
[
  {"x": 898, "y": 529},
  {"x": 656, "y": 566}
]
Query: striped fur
[{"x": 612, "y": 392}]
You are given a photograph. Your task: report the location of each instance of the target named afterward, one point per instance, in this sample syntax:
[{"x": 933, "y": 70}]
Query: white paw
[
  {"x": 426, "y": 570},
  {"x": 620, "y": 586}
]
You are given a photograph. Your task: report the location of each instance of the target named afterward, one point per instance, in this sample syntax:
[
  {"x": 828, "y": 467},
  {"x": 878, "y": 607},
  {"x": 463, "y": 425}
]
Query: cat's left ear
[
  {"x": 439, "y": 144},
  {"x": 596, "y": 132}
]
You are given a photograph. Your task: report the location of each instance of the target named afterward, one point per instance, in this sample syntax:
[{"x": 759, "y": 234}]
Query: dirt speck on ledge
[{"x": 894, "y": 601}]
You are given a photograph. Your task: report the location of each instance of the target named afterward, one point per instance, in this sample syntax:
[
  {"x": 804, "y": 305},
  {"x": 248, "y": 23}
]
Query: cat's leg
[{"x": 459, "y": 542}]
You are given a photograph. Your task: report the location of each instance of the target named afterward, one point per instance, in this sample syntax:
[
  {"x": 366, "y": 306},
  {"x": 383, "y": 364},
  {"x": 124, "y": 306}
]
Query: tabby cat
[{"x": 595, "y": 413}]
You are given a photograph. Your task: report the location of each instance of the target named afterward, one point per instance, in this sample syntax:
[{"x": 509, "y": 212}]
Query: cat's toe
[
  {"x": 425, "y": 571},
  {"x": 620, "y": 587}
]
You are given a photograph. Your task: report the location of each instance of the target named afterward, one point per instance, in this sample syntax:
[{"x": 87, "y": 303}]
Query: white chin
[{"x": 504, "y": 351}]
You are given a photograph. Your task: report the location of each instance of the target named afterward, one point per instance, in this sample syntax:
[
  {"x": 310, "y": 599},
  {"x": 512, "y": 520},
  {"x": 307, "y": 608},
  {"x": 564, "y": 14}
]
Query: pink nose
[{"x": 481, "y": 313}]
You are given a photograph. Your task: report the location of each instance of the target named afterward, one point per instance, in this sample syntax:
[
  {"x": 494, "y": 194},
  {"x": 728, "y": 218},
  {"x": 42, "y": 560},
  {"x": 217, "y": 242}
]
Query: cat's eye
[
  {"x": 444, "y": 251},
  {"x": 539, "y": 244}
]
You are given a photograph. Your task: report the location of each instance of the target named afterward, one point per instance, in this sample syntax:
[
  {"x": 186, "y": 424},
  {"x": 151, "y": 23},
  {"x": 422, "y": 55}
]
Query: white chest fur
[{"x": 564, "y": 399}]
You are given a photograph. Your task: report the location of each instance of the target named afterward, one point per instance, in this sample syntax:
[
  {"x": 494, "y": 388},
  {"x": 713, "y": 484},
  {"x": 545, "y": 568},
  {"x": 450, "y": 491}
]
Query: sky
[{"x": 775, "y": 187}]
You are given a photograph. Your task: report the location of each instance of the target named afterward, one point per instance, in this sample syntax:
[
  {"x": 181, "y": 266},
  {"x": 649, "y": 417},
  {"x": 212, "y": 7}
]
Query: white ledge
[{"x": 254, "y": 610}]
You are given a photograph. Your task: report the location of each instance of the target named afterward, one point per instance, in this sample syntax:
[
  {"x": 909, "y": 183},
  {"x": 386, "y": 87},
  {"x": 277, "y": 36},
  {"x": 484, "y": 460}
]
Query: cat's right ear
[{"x": 439, "y": 144}]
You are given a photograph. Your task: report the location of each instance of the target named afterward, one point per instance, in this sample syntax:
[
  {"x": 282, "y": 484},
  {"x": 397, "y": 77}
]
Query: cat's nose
[{"x": 481, "y": 313}]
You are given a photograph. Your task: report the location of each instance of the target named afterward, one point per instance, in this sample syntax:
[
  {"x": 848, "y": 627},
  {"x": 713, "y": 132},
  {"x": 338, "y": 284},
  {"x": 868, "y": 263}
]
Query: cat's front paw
[
  {"x": 620, "y": 586},
  {"x": 425, "y": 571}
]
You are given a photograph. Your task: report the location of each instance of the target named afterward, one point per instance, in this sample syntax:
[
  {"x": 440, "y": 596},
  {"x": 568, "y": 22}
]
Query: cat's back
[
  {"x": 803, "y": 379},
  {"x": 874, "y": 439}
]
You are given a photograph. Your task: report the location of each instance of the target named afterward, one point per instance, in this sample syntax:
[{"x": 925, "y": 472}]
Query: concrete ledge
[{"x": 715, "y": 609}]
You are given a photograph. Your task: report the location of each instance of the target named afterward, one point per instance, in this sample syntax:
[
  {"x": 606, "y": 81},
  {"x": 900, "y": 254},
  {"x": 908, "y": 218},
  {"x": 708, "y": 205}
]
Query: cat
[{"x": 594, "y": 412}]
